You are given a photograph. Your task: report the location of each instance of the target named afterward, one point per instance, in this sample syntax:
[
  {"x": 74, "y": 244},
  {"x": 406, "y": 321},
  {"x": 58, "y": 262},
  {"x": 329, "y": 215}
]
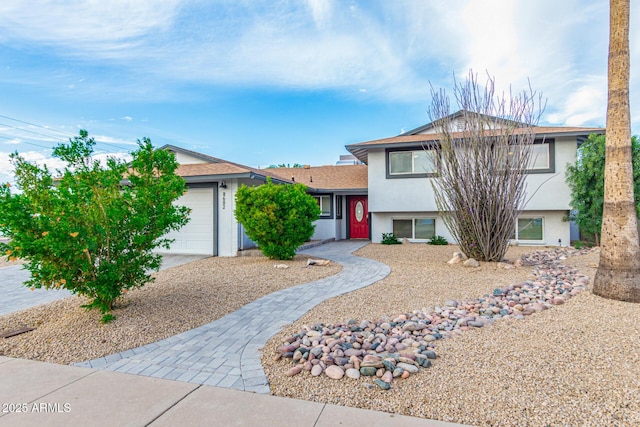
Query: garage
[{"x": 198, "y": 236}]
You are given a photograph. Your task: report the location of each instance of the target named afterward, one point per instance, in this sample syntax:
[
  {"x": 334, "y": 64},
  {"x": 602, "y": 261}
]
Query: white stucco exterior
[
  {"x": 548, "y": 196},
  {"x": 213, "y": 184}
]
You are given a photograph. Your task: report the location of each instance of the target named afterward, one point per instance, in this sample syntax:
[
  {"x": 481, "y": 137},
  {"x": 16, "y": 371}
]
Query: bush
[
  {"x": 390, "y": 239},
  {"x": 86, "y": 231},
  {"x": 438, "y": 240},
  {"x": 279, "y": 218}
]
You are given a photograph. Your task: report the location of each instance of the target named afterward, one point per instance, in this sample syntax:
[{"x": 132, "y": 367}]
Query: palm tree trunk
[{"x": 618, "y": 275}]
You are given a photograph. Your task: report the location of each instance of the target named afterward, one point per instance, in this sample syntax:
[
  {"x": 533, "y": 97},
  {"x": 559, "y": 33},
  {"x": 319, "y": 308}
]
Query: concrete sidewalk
[
  {"x": 16, "y": 297},
  {"x": 38, "y": 394}
]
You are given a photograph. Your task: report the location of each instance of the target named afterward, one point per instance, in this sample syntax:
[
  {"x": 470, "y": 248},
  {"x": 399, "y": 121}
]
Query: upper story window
[
  {"x": 410, "y": 163},
  {"x": 542, "y": 158}
]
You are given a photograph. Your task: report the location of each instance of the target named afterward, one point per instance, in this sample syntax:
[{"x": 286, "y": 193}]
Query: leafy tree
[
  {"x": 91, "y": 231},
  {"x": 586, "y": 180},
  {"x": 482, "y": 154},
  {"x": 279, "y": 218},
  {"x": 285, "y": 165}
]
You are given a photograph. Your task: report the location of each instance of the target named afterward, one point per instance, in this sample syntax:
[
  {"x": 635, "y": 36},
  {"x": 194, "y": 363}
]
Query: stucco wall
[
  {"x": 554, "y": 227},
  {"x": 325, "y": 229},
  {"x": 185, "y": 159},
  {"x": 227, "y": 224},
  {"x": 546, "y": 191}
]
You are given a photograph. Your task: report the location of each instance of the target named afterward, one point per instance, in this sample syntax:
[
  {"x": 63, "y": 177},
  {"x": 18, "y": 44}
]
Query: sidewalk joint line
[
  {"x": 315, "y": 423},
  {"x": 172, "y": 406}
]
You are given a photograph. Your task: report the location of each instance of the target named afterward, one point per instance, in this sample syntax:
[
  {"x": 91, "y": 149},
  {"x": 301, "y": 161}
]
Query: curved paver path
[{"x": 226, "y": 352}]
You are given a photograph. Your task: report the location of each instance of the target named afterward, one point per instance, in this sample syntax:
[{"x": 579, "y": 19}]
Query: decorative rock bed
[{"x": 393, "y": 348}]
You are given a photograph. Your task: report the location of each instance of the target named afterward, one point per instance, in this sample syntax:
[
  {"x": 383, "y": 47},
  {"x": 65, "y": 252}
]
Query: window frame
[
  {"x": 319, "y": 198},
  {"x": 413, "y": 227},
  {"x": 551, "y": 144},
  {"x": 412, "y": 174},
  {"x": 516, "y": 234},
  {"x": 338, "y": 205}
]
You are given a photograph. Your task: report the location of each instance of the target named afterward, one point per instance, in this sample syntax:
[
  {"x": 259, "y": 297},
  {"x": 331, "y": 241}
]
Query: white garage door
[{"x": 197, "y": 237}]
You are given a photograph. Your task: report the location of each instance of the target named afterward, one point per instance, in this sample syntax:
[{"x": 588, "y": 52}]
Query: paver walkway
[{"x": 225, "y": 353}]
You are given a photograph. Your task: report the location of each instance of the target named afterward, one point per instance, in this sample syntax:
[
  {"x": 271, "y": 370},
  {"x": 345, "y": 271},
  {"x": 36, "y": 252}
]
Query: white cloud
[
  {"x": 44, "y": 158},
  {"x": 391, "y": 48},
  {"x": 112, "y": 26}
]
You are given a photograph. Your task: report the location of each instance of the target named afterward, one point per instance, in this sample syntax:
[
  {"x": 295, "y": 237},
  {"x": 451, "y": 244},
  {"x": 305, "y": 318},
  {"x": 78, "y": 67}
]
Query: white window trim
[
  {"x": 320, "y": 204},
  {"x": 533, "y": 157},
  {"x": 413, "y": 163},
  {"x": 413, "y": 227},
  {"x": 530, "y": 242}
]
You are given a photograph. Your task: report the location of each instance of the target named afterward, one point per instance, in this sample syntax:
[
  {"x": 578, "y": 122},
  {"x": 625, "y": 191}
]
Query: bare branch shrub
[{"x": 483, "y": 153}]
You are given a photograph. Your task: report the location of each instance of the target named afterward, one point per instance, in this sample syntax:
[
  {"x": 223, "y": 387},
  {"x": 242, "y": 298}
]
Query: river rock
[
  {"x": 471, "y": 263},
  {"x": 368, "y": 371},
  {"x": 353, "y": 373},
  {"x": 294, "y": 371},
  {"x": 383, "y": 385},
  {"x": 334, "y": 372},
  {"x": 409, "y": 368}
]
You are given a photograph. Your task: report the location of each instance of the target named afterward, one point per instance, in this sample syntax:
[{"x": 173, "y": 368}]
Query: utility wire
[
  {"x": 51, "y": 130},
  {"x": 25, "y": 142}
]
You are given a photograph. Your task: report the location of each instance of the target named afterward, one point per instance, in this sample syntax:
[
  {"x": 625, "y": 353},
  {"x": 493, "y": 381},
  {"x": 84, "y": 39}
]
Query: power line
[
  {"x": 25, "y": 142},
  {"x": 50, "y": 130},
  {"x": 38, "y": 126}
]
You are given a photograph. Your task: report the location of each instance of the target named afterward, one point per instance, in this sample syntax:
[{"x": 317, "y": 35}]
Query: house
[
  {"x": 212, "y": 184},
  {"x": 388, "y": 189},
  {"x": 401, "y": 197},
  {"x": 341, "y": 192}
]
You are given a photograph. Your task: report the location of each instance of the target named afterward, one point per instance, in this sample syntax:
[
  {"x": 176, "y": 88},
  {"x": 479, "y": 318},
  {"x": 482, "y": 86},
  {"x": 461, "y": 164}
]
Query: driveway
[{"x": 15, "y": 297}]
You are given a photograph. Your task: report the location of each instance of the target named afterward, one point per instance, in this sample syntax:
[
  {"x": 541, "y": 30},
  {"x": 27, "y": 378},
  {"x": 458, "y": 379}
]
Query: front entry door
[{"x": 358, "y": 218}]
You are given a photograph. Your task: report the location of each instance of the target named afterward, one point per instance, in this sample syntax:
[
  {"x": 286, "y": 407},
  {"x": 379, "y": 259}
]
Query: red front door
[{"x": 358, "y": 218}]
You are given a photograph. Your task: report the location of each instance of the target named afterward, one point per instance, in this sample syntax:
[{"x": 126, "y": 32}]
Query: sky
[{"x": 270, "y": 82}]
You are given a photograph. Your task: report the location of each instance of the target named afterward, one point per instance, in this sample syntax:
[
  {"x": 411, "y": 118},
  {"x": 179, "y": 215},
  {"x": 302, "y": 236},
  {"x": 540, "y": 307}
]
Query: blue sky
[{"x": 265, "y": 82}]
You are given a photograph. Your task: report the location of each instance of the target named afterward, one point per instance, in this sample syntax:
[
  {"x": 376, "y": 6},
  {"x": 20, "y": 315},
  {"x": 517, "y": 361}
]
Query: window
[
  {"x": 338, "y": 207},
  {"x": 542, "y": 159},
  {"x": 325, "y": 205},
  {"x": 415, "y": 228},
  {"x": 415, "y": 163},
  {"x": 539, "y": 157},
  {"x": 529, "y": 229}
]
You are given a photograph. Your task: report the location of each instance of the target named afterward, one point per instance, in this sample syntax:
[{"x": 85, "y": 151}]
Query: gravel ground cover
[
  {"x": 576, "y": 364},
  {"x": 180, "y": 299}
]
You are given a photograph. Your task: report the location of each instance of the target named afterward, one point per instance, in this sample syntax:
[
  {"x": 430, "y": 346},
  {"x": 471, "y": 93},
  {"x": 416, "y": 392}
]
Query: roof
[
  {"x": 360, "y": 150},
  {"x": 458, "y": 114},
  {"x": 211, "y": 169},
  {"x": 216, "y": 169},
  {"x": 319, "y": 178}
]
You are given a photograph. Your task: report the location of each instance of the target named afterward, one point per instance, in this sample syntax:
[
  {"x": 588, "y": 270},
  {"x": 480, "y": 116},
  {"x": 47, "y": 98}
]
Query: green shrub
[
  {"x": 390, "y": 239},
  {"x": 438, "y": 240},
  {"x": 279, "y": 218},
  {"x": 87, "y": 232}
]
